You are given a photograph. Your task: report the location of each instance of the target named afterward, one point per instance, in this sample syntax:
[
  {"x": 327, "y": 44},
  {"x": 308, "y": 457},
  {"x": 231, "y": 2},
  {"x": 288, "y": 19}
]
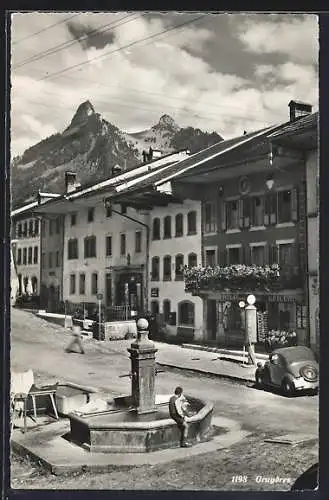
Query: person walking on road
[
  {"x": 177, "y": 411},
  {"x": 75, "y": 341}
]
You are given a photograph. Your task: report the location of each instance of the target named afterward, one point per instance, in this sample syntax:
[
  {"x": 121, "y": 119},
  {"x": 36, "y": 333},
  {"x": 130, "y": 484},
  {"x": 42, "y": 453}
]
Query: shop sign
[
  {"x": 154, "y": 292},
  {"x": 281, "y": 298}
]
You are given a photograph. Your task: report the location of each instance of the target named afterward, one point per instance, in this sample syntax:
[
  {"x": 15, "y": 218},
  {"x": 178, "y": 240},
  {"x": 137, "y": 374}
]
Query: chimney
[
  {"x": 299, "y": 109},
  {"x": 71, "y": 183}
]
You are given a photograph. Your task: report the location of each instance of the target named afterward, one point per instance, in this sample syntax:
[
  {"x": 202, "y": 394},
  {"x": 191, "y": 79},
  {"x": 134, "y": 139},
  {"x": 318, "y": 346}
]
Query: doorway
[
  {"x": 211, "y": 319},
  {"x": 108, "y": 290}
]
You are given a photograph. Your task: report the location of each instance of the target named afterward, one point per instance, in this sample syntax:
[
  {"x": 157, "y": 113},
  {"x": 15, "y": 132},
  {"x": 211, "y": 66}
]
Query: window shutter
[
  {"x": 266, "y": 254},
  {"x": 294, "y": 204},
  {"x": 240, "y": 208},
  {"x": 243, "y": 253},
  {"x": 223, "y": 215}
]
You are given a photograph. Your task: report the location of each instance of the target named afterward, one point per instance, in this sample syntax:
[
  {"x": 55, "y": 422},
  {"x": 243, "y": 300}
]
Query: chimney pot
[{"x": 299, "y": 109}]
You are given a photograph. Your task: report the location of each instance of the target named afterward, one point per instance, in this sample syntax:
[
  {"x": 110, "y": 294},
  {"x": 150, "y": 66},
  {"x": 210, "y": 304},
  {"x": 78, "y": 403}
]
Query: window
[
  {"x": 91, "y": 213},
  {"x": 209, "y": 217},
  {"x": 179, "y": 229},
  {"x": 156, "y": 229},
  {"x": 57, "y": 258},
  {"x": 82, "y": 283},
  {"x": 167, "y": 227},
  {"x": 34, "y": 282},
  {"x": 94, "y": 284},
  {"x": 154, "y": 307},
  {"x": 25, "y": 229},
  {"x": 284, "y": 206},
  {"x": 210, "y": 259},
  {"x": 108, "y": 246},
  {"x": 108, "y": 211},
  {"x": 233, "y": 255},
  {"x": 167, "y": 268},
  {"x": 123, "y": 209},
  {"x": 246, "y": 209},
  {"x": 257, "y": 211},
  {"x": 257, "y": 255},
  {"x": 36, "y": 227},
  {"x": 186, "y": 313},
  {"x": 166, "y": 310},
  {"x": 50, "y": 227},
  {"x": 122, "y": 244},
  {"x": 232, "y": 214},
  {"x": 270, "y": 207},
  {"x": 179, "y": 267},
  {"x": 58, "y": 225},
  {"x": 155, "y": 269},
  {"x": 35, "y": 255},
  {"x": 192, "y": 260},
  {"x": 73, "y": 219},
  {"x": 50, "y": 259},
  {"x": 191, "y": 223},
  {"x": 301, "y": 316},
  {"x": 31, "y": 228},
  {"x": 19, "y": 230},
  {"x": 90, "y": 247},
  {"x": 286, "y": 255},
  {"x": 138, "y": 241},
  {"x": 24, "y": 255},
  {"x": 43, "y": 260},
  {"x": 19, "y": 256},
  {"x": 72, "y": 249},
  {"x": 72, "y": 284}
]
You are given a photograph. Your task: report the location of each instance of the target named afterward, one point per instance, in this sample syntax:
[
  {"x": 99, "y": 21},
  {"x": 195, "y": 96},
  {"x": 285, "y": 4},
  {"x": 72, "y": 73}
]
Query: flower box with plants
[{"x": 234, "y": 277}]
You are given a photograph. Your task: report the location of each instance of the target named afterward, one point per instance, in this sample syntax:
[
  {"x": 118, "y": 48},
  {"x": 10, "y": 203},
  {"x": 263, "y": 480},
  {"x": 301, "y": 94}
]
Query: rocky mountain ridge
[{"x": 92, "y": 146}]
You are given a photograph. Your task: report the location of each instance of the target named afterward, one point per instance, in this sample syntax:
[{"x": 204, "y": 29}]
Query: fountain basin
[{"x": 122, "y": 430}]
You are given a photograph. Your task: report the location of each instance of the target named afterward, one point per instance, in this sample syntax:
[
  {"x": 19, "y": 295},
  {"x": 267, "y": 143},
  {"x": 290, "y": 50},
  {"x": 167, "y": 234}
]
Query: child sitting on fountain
[{"x": 179, "y": 411}]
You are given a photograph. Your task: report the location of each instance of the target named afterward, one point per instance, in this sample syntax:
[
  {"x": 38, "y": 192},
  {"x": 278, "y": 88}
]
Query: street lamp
[
  {"x": 251, "y": 299},
  {"x": 269, "y": 182}
]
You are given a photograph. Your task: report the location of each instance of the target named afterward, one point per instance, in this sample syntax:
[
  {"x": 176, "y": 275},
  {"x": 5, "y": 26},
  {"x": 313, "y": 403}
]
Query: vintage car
[{"x": 290, "y": 368}]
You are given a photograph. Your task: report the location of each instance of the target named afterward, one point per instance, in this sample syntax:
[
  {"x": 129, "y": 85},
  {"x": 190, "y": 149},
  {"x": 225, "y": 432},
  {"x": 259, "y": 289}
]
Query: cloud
[
  {"x": 87, "y": 36},
  {"x": 295, "y": 37},
  {"x": 131, "y": 87}
]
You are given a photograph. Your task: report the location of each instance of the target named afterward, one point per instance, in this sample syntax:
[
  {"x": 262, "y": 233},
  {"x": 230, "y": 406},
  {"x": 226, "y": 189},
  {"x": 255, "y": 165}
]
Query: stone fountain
[{"x": 136, "y": 423}]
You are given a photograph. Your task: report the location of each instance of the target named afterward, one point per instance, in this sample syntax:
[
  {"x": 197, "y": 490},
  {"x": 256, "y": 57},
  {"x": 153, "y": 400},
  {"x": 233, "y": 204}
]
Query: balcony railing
[{"x": 241, "y": 277}]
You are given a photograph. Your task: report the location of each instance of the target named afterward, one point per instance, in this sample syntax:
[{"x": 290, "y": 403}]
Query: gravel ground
[{"x": 213, "y": 471}]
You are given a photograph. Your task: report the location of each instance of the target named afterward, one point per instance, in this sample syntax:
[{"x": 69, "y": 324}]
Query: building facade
[{"x": 175, "y": 242}]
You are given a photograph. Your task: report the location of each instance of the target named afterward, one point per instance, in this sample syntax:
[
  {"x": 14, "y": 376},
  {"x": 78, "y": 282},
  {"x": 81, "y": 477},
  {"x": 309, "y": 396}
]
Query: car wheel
[
  {"x": 288, "y": 387},
  {"x": 259, "y": 379}
]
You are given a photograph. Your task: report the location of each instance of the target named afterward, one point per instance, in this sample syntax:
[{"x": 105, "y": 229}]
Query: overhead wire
[
  {"x": 15, "y": 42},
  {"x": 66, "y": 45}
]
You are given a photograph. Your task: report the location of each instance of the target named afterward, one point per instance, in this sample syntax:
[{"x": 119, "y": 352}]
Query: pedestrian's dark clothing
[{"x": 174, "y": 413}]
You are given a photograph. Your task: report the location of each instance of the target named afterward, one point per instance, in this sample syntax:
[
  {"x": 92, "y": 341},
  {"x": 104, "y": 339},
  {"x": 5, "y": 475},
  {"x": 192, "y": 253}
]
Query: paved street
[{"x": 40, "y": 346}]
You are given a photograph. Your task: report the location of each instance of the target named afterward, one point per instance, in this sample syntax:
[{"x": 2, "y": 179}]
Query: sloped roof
[{"x": 298, "y": 126}]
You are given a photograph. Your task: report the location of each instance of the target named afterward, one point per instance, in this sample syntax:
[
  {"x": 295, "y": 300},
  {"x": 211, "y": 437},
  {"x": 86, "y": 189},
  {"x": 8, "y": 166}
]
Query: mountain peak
[
  {"x": 84, "y": 110},
  {"x": 167, "y": 121}
]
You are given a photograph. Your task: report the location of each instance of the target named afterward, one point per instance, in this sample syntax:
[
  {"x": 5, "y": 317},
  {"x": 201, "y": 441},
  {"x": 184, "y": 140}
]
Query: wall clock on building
[{"x": 244, "y": 185}]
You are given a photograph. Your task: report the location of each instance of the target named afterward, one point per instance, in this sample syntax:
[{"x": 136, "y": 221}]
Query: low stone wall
[
  {"x": 59, "y": 319},
  {"x": 119, "y": 330}
]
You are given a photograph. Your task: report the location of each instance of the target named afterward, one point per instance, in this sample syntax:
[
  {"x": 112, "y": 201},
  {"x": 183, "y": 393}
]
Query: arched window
[
  {"x": 167, "y": 268},
  {"x": 186, "y": 313},
  {"x": 166, "y": 310},
  {"x": 25, "y": 283},
  {"x": 179, "y": 267},
  {"x": 156, "y": 229},
  {"x": 154, "y": 307},
  {"x": 167, "y": 227},
  {"x": 191, "y": 223},
  {"x": 155, "y": 271},
  {"x": 179, "y": 229},
  {"x": 192, "y": 260}
]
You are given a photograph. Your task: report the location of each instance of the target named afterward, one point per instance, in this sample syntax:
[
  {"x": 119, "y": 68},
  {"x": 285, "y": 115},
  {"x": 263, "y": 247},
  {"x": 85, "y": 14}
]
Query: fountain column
[{"x": 142, "y": 355}]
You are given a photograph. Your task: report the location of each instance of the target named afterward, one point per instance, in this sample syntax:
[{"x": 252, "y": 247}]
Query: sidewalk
[{"x": 224, "y": 364}]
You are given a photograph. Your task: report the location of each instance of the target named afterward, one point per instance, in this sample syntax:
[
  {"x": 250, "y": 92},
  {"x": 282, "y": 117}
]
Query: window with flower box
[
  {"x": 232, "y": 214},
  {"x": 191, "y": 222},
  {"x": 209, "y": 221},
  {"x": 186, "y": 313},
  {"x": 156, "y": 229},
  {"x": 192, "y": 260},
  {"x": 179, "y": 229},
  {"x": 155, "y": 269},
  {"x": 167, "y": 227},
  {"x": 90, "y": 247},
  {"x": 167, "y": 268},
  {"x": 179, "y": 267}
]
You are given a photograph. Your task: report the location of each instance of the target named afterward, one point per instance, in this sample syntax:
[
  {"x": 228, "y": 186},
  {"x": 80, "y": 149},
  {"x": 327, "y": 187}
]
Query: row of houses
[{"x": 249, "y": 201}]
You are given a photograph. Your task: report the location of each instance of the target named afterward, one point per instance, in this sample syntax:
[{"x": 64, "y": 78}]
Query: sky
[{"x": 227, "y": 73}]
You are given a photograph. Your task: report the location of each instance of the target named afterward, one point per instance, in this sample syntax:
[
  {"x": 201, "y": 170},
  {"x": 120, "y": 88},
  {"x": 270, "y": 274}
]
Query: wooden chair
[{"x": 22, "y": 387}]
